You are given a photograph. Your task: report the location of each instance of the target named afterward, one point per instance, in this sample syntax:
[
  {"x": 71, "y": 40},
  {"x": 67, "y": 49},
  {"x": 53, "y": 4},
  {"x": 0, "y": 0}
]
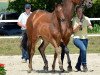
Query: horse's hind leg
[
  {"x": 41, "y": 50},
  {"x": 31, "y": 51}
]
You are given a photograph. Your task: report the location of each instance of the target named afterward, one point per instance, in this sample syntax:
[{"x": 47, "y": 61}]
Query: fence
[
  {"x": 20, "y": 36},
  {"x": 17, "y": 20}
]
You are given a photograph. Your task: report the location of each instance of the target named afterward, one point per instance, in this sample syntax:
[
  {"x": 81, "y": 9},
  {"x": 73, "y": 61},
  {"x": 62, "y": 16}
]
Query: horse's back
[{"x": 39, "y": 22}]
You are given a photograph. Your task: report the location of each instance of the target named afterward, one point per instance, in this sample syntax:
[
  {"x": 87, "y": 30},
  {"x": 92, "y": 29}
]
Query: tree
[
  {"x": 18, "y": 5},
  {"x": 94, "y": 10}
]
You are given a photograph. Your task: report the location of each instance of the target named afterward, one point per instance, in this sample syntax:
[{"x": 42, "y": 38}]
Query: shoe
[
  {"x": 78, "y": 68},
  {"x": 85, "y": 69},
  {"x": 24, "y": 61}
]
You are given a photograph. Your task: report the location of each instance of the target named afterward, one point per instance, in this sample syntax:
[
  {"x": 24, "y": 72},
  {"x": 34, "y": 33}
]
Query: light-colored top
[
  {"x": 82, "y": 34},
  {"x": 23, "y": 19}
]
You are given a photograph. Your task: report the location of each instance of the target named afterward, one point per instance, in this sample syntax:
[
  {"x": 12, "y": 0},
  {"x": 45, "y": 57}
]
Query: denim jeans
[
  {"x": 82, "y": 45},
  {"x": 24, "y": 45}
]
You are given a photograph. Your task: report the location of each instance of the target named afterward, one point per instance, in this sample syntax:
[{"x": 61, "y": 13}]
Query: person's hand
[
  {"x": 23, "y": 26},
  {"x": 80, "y": 23}
]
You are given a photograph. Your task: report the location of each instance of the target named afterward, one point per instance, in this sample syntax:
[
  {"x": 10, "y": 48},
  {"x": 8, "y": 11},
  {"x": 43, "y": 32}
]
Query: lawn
[{"x": 12, "y": 46}]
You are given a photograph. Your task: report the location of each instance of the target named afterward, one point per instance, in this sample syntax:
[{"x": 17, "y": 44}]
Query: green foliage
[
  {"x": 18, "y": 5},
  {"x": 94, "y": 10},
  {"x": 2, "y": 71}
]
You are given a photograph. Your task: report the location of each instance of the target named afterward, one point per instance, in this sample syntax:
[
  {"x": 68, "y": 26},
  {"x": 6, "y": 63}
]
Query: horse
[
  {"x": 50, "y": 30},
  {"x": 68, "y": 11},
  {"x": 45, "y": 25}
]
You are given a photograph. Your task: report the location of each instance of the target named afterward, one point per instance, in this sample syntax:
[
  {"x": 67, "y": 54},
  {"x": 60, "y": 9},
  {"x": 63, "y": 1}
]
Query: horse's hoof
[
  {"x": 53, "y": 71},
  {"x": 45, "y": 68},
  {"x": 69, "y": 68},
  {"x": 29, "y": 71},
  {"x": 61, "y": 69}
]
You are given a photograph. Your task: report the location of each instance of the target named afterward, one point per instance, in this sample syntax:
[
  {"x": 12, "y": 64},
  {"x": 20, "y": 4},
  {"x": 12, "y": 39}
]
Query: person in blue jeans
[
  {"x": 22, "y": 23},
  {"x": 25, "y": 56},
  {"x": 80, "y": 39}
]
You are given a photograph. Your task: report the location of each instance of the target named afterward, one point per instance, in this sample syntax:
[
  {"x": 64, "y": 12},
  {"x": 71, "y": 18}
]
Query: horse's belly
[{"x": 44, "y": 31}]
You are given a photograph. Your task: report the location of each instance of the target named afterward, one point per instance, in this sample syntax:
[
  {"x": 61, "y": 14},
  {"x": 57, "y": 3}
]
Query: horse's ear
[{"x": 56, "y": 4}]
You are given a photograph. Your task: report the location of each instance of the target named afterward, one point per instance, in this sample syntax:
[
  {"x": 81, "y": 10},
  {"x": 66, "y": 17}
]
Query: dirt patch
[{"x": 14, "y": 66}]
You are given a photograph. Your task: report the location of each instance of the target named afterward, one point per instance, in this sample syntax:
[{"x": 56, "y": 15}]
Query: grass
[{"x": 12, "y": 46}]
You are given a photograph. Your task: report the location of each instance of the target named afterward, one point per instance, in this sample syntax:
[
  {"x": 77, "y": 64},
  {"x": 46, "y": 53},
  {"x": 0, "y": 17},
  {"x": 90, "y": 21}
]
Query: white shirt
[
  {"x": 82, "y": 34},
  {"x": 23, "y": 19}
]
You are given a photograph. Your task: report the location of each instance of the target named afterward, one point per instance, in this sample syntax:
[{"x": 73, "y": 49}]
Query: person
[
  {"x": 80, "y": 23},
  {"x": 22, "y": 23}
]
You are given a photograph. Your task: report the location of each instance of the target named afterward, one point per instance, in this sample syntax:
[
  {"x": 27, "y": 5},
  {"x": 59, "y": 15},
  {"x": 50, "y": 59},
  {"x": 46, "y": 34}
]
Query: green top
[{"x": 82, "y": 34}]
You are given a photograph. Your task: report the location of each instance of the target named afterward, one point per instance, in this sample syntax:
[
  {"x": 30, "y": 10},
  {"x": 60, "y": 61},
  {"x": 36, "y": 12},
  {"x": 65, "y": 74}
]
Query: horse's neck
[
  {"x": 55, "y": 20},
  {"x": 68, "y": 9}
]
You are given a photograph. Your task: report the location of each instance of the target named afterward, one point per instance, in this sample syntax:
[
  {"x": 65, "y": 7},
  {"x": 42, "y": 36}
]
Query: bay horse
[
  {"x": 68, "y": 11},
  {"x": 45, "y": 25},
  {"x": 50, "y": 28}
]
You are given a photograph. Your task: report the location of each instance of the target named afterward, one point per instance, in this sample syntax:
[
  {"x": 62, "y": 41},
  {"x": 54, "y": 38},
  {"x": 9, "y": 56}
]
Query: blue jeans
[
  {"x": 24, "y": 46},
  {"x": 82, "y": 45},
  {"x": 24, "y": 54}
]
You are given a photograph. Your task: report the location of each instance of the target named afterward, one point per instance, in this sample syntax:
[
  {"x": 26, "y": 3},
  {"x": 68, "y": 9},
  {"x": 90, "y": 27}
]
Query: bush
[
  {"x": 94, "y": 11},
  {"x": 96, "y": 29}
]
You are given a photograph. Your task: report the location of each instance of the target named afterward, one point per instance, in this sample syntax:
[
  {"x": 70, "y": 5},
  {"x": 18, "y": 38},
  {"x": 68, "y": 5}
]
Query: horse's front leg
[
  {"x": 58, "y": 51},
  {"x": 41, "y": 50},
  {"x": 54, "y": 61}
]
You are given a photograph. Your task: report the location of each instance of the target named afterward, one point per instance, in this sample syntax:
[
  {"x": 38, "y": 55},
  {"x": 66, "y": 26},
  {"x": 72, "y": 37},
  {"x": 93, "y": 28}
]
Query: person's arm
[
  {"x": 89, "y": 24},
  {"x": 76, "y": 26},
  {"x": 21, "y": 25},
  {"x": 90, "y": 27},
  {"x": 20, "y": 21}
]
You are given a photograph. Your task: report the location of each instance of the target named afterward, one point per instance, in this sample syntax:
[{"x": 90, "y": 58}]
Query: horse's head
[
  {"x": 87, "y": 3},
  {"x": 59, "y": 12}
]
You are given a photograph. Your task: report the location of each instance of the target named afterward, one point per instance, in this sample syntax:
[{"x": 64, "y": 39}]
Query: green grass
[
  {"x": 93, "y": 45},
  {"x": 12, "y": 46}
]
